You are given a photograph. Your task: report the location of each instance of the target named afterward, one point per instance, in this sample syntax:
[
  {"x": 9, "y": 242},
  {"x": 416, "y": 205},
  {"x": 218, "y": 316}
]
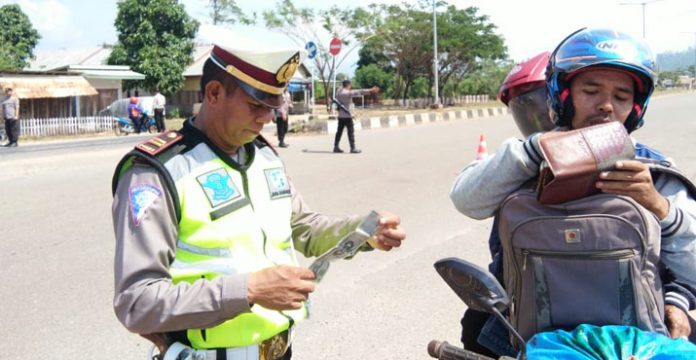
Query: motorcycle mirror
[{"x": 478, "y": 288}]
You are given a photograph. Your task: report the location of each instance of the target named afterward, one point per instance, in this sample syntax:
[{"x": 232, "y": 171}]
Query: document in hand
[
  {"x": 573, "y": 160},
  {"x": 348, "y": 246}
]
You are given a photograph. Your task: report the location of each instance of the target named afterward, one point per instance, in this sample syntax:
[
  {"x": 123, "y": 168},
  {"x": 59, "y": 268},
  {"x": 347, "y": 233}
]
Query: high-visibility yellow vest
[{"x": 233, "y": 220}]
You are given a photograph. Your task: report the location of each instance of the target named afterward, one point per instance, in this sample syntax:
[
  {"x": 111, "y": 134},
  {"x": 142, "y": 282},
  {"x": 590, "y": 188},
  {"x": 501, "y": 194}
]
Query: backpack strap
[{"x": 659, "y": 167}]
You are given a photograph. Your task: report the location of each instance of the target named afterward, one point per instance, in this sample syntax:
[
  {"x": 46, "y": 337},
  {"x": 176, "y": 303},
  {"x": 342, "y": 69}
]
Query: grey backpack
[{"x": 588, "y": 261}]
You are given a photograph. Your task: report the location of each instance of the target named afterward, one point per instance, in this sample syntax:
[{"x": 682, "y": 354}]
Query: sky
[{"x": 528, "y": 26}]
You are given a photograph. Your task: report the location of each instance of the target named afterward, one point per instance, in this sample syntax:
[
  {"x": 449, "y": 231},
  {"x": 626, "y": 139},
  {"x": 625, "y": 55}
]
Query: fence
[{"x": 66, "y": 126}]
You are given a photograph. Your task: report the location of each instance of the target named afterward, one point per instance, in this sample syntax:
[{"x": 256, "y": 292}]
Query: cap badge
[{"x": 288, "y": 69}]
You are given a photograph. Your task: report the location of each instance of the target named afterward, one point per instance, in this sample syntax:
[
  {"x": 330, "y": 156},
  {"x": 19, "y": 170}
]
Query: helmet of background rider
[
  {"x": 603, "y": 48},
  {"x": 133, "y": 100},
  {"x": 524, "y": 93}
]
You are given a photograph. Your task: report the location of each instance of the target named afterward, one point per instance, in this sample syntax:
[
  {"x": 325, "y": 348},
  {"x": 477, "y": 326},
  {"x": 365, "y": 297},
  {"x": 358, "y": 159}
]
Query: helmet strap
[
  {"x": 633, "y": 120},
  {"x": 567, "y": 109}
]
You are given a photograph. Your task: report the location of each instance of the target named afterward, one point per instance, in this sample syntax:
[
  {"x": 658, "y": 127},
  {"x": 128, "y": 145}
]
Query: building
[
  {"x": 51, "y": 95},
  {"x": 89, "y": 64}
]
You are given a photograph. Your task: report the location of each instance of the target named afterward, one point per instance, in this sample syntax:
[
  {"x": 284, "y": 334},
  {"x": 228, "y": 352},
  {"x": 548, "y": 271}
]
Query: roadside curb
[{"x": 328, "y": 125}]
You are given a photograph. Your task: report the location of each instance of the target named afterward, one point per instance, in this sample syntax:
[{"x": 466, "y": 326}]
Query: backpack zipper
[{"x": 580, "y": 255}]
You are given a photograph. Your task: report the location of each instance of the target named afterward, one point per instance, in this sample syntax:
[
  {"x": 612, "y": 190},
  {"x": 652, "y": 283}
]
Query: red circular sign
[{"x": 335, "y": 46}]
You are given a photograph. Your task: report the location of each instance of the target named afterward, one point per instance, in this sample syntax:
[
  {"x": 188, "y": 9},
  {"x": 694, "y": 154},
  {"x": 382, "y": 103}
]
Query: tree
[
  {"x": 466, "y": 40},
  {"x": 18, "y": 38},
  {"x": 405, "y": 36},
  {"x": 227, "y": 12},
  {"x": 302, "y": 25},
  {"x": 156, "y": 39}
]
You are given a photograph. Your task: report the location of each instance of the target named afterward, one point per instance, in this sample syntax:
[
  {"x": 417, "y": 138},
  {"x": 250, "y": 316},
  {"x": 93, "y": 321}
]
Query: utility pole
[
  {"x": 437, "y": 86},
  {"x": 642, "y": 3},
  {"x": 694, "y": 33}
]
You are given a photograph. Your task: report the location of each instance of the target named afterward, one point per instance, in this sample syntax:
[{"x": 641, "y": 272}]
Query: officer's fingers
[
  {"x": 388, "y": 219},
  {"x": 396, "y": 235},
  {"x": 304, "y": 273},
  {"x": 389, "y": 242},
  {"x": 631, "y": 165}
]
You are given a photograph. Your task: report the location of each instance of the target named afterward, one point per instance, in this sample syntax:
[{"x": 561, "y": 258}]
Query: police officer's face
[
  {"x": 601, "y": 95},
  {"x": 240, "y": 118}
]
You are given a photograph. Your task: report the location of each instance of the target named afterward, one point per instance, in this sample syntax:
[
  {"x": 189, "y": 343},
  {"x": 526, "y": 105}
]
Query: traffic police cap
[{"x": 262, "y": 75}]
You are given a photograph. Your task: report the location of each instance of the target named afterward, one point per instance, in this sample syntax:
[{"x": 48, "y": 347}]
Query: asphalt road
[{"x": 56, "y": 243}]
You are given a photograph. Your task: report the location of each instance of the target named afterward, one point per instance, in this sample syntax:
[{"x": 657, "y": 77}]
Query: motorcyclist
[
  {"x": 135, "y": 112},
  {"x": 594, "y": 76}
]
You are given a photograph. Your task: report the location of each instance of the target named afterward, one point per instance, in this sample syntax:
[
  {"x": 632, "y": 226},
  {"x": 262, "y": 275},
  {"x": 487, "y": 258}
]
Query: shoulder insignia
[{"x": 159, "y": 143}]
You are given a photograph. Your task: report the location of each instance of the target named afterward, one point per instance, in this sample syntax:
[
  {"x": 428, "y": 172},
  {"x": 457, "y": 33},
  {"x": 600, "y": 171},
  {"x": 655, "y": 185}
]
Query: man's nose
[{"x": 605, "y": 104}]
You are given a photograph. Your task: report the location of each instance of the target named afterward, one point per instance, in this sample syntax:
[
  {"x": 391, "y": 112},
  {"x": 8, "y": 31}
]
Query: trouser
[
  {"x": 137, "y": 124},
  {"x": 12, "y": 130},
  {"x": 345, "y": 123},
  {"x": 472, "y": 323},
  {"x": 282, "y": 129},
  {"x": 159, "y": 119}
]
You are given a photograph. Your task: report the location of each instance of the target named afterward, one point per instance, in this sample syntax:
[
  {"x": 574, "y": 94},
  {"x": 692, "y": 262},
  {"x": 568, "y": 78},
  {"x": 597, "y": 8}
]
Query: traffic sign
[
  {"x": 311, "y": 48},
  {"x": 335, "y": 46}
]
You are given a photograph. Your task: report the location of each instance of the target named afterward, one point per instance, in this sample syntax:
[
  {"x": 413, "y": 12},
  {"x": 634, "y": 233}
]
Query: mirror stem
[{"x": 512, "y": 330}]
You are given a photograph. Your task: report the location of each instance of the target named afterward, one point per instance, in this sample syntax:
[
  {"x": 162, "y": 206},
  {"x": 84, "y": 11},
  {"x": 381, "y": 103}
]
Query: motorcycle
[
  {"x": 481, "y": 291},
  {"x": 124, "y": 125}
]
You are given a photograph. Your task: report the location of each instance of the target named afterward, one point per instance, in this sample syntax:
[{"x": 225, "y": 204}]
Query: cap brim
[{"x": 266, "y": 99}]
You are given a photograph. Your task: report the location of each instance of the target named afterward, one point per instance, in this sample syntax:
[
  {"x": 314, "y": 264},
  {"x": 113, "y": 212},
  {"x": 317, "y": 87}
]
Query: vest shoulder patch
[{"x": 159, "y": 143}]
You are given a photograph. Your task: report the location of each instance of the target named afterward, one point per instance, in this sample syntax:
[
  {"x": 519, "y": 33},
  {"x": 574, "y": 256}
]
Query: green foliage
[
  {"x": 372, "y": 75},
  {"x": 156, "y": 39},
  {"x": 405, "y": 37},
  {"x": 486, "y": 79},
  {"x": 18, "y": 38},
  {"x": 227, "y": 12},
  {"x": 419, "y": 89},
  {"x": 173, "y": 113}
]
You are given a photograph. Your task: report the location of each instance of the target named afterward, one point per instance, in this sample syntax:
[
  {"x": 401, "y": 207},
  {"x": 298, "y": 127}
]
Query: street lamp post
[
  {"x": 642, "y": 3},
  {"x": 437, "y": 97}
]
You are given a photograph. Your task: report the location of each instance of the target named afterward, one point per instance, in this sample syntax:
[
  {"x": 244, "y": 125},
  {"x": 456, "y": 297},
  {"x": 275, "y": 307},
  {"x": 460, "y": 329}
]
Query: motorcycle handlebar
[{"x": 442, "y": 350}]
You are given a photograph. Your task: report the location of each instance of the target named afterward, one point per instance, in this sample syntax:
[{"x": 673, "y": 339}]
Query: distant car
[
  {"x": 667, "y": 83},
  {"x": 119, "y": 108}
]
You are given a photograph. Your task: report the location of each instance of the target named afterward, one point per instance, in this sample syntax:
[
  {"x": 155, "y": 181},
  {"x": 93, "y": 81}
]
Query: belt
[{"x": 273, "y": 348}]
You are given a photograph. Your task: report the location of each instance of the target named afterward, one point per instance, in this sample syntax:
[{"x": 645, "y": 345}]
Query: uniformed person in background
[{"x": 207, "y": 222}]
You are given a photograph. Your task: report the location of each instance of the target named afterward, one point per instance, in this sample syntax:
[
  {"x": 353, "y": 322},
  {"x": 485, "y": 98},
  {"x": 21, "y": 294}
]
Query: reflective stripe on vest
[{"x": 233, "y": 222}]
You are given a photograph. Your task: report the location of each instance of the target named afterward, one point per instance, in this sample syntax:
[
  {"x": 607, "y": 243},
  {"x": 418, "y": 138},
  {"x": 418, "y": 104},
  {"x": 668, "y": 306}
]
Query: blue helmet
[{"x": 605, "y": 48}]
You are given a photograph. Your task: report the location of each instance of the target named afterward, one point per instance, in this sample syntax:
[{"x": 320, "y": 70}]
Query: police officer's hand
[
  {"x": 389, "y": 235},
  {"x": 374, "y": 89},
  {"x": 632, "y": 178},
  {"x": 677, "y": 322},
  {"x": 280, "y": 287}
]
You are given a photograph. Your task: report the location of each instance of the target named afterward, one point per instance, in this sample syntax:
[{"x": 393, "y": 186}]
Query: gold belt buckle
[{"x": 274, "y": 348}]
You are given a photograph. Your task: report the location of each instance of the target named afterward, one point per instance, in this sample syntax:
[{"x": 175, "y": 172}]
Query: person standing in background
[
  {"x": 344, "y": 99},
  {"x": 10, "y": 111},
  {"x": 281, "y": 118},
  {"x": 158, "y": 104}
]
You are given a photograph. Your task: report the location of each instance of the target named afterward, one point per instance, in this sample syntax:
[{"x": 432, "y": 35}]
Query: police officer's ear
[{"x": 214, "y": 92}]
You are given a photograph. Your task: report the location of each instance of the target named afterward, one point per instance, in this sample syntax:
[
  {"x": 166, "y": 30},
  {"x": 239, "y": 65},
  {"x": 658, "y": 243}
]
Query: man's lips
[{"x": 599, "y": 119}]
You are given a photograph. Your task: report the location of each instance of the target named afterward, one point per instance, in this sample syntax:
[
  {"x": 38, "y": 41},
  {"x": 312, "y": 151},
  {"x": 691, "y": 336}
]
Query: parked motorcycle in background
[
  {"x": 481, "y": 291},
  {"x": 123, "y": 124}
]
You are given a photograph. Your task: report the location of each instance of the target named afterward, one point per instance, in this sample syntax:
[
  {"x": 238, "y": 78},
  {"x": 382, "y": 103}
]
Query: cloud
[{"x": 54, "y": 21}]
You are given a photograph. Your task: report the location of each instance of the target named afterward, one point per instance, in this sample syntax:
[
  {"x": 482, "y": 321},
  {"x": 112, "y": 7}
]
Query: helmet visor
[{"x": 530, "y": 112}]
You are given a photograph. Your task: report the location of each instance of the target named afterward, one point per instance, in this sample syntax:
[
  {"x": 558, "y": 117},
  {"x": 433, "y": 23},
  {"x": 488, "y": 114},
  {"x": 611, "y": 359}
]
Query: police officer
[{"x": 207, "y": 222}]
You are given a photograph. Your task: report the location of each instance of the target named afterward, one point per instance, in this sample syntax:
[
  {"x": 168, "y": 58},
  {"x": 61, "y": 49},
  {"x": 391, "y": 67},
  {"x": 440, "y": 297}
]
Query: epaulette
[{"x": 159, "y": 143}]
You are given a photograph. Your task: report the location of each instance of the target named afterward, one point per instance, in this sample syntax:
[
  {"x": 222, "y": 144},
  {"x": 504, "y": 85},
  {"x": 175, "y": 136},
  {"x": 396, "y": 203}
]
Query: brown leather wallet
[{"x": 573, "y": 160}]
